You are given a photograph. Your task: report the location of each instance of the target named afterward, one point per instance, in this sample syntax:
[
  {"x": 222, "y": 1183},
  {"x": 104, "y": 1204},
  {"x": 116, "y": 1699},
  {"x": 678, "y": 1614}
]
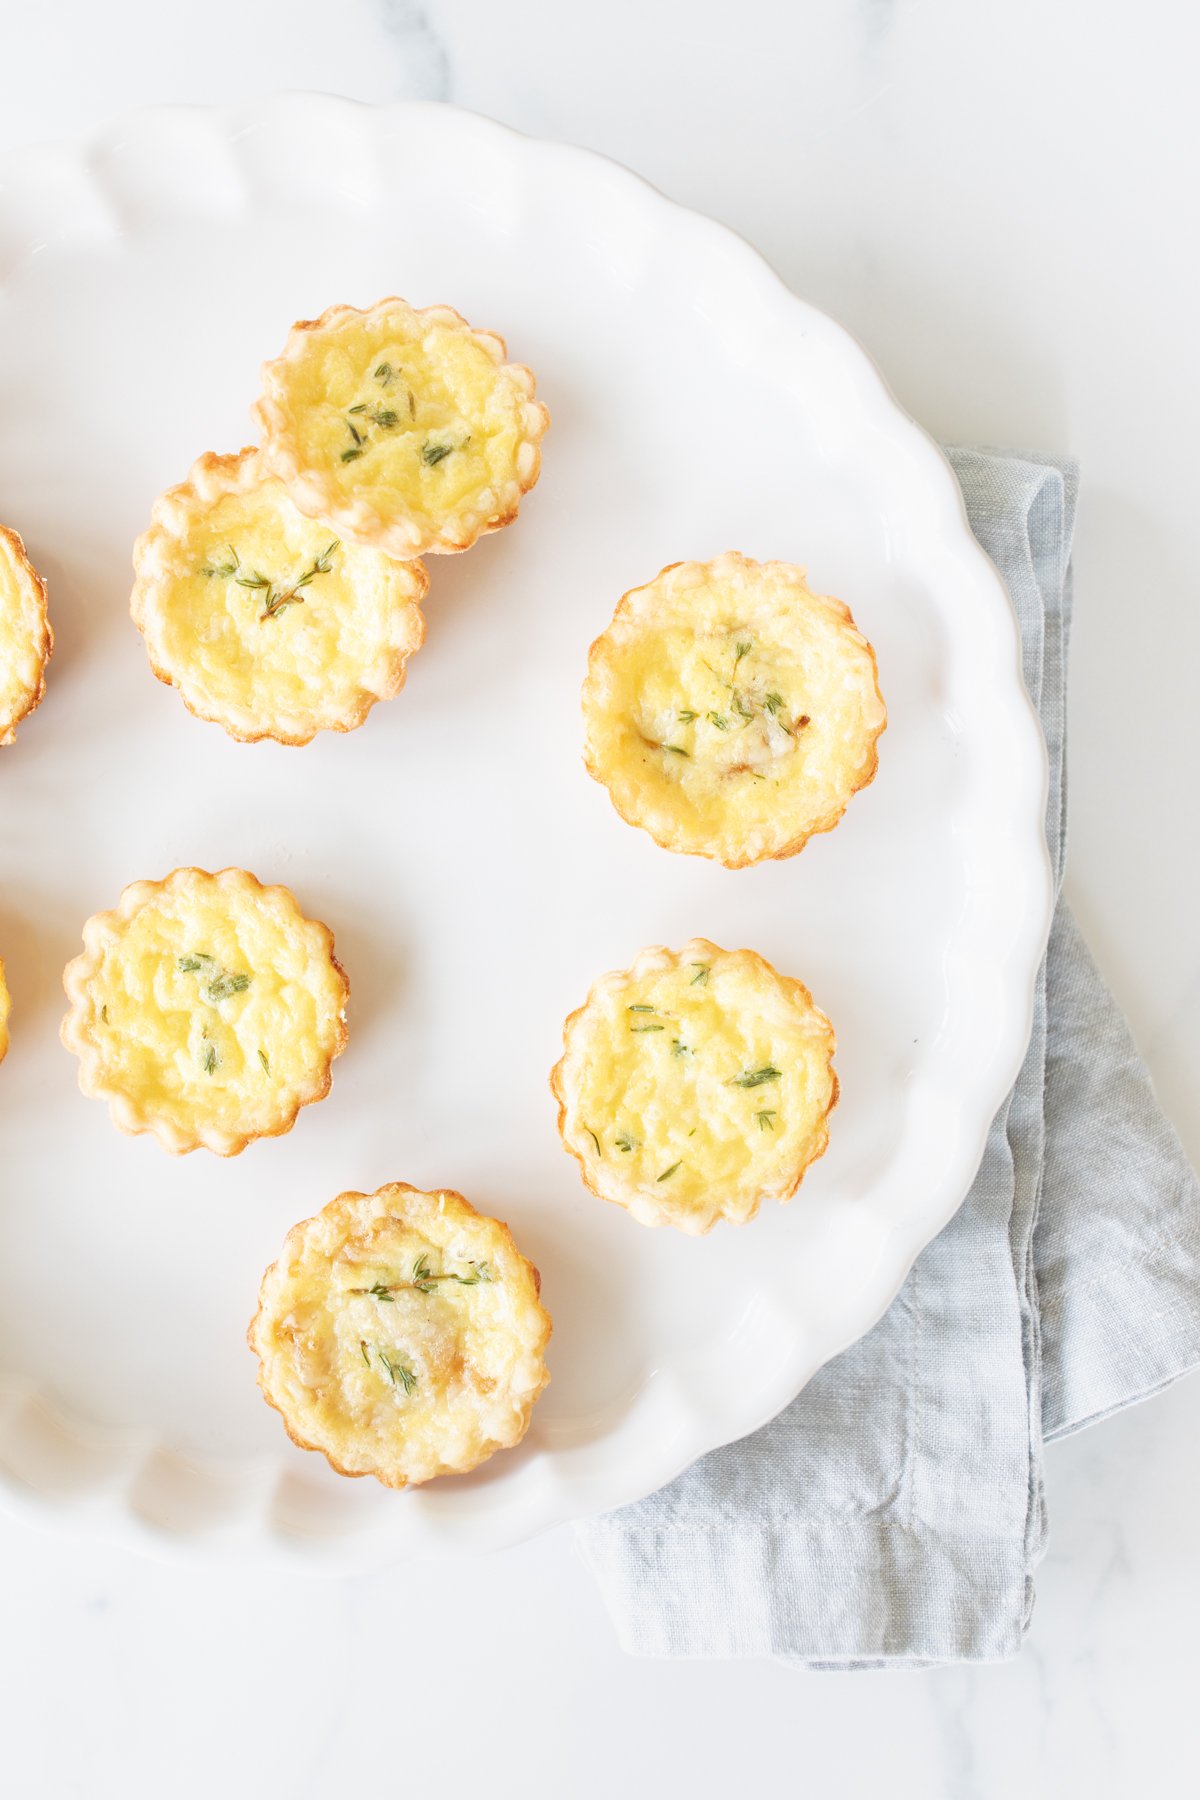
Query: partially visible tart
[
  {"x": 730, "y": 711},
  {"x": 404, "y": 428},
  {"x": 26, "y": 639},
  {"x": 266, "y": 622},
  {"x": 401, "y": 1334},
  {"x": 695, "y": 1085},
  {"x": 205, "y": 1009},
  {"x": 5, "y": 1008}
]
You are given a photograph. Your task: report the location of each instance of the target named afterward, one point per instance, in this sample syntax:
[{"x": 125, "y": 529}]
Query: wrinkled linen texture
[{"x": 893, "y": 1515}]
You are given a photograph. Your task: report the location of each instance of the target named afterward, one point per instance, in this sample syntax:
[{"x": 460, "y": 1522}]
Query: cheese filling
[
  {"x": 701, "y": 1085},
  {"x": 428, "y": 421}
]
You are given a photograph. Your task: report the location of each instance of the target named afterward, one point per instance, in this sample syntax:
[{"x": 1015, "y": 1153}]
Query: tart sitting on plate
[
  {"x": 401, "y": 1334},
  {"x": 205, "y": 1009},
  {"x": 26, "y": 639},
  {"x": 263, "y": 619},
  {"x": 695, "y": 1085},
  {"x": 730, "y": 711},
  {"x": 404, "y": 429}
]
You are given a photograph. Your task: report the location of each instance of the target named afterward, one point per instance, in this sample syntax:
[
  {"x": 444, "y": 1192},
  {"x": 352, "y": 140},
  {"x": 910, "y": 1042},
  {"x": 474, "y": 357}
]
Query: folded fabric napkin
[{"x": 893, "y": 1515}]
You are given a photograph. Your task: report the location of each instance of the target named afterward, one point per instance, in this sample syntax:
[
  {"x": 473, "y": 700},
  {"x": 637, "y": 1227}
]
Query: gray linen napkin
[{"x": 893, "y": 1514}]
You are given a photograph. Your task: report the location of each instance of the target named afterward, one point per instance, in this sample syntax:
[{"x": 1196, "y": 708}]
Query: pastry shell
[
  {"x": 26, "y": 637},
  {"x": 401, "y": 1334},
  {"x": 694, "y": 1085},
  {"x": 206, "y": 1009},
  {"x": 731, "y": 712},
  {"x": 413, "y": 459},
  {"x": 247, "y": 647}
]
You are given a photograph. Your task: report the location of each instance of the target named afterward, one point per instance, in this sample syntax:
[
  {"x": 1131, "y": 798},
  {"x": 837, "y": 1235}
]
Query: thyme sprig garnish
[
  {"x": 396, "y": 1372},
  {"x": 424, "y": 1280},
  {"x": 276, "y": 598},
  {"x": 217, "y": 983},
  {"x": 742, "y": 705},
  {"x": 752, "y": 1078}
]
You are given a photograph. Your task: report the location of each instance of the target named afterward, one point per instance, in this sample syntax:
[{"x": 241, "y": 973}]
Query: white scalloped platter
[{"x": 475, "y": 878}]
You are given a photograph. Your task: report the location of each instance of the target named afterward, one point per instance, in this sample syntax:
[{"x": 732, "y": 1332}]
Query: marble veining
[{"x": 424, "y": 61}]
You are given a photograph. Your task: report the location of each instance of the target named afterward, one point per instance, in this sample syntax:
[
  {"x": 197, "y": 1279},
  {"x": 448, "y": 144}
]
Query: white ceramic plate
[{"x": 475, "y": 878}]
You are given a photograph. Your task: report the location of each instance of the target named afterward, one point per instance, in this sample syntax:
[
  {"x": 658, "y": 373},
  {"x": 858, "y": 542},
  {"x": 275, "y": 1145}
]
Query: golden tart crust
[
  {"x": 404, "y": 428},
  {"x": 205, "y": 1009},
  {"x": 262, "y": 618},
  {"x": 26, "y": 639},
  {"x": 401, "y": 1334},
  {"x": 5, "y": 1009},
  {"x": 695, "y": 1085},
  {"x": 730, "y": 711}
]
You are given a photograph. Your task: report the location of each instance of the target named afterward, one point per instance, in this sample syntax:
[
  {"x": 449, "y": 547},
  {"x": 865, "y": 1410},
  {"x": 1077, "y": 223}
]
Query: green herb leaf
[
  {"x": 637, "y": 1007},
  {"x": 209, "y": 1060},
  {"x": 266, "y": 1066},
  {"x": 432, "y": 454},
  {"x": 766, "y": 1121},
  {"x": 743, "y": 649},
  {"x": 594, "y": 1139},
  {"x": 351, "y": 455},
  {"x": 223, "y": 568},
  {"x": 385, "y": 373},
  {"x": 700, "y": 978},
  {"x": 719, "y": 720},
  {"x": 226, "y": 985},
  {"x": 752, "y": 1078},
  {"x": 679, "y": 1048},
  {"x": 362, "y": 1344},
  {"x": 647, "y": 1028},
  {"x": 674, "y": 750},
  {"x": 397, "y": 1374},
  {"x": 685, "y": 718},
  {"x": 381, "y": 1291},
  {"x": 667, "y": 1173},
  {"x": 385, "y": 418},
  {"x": 625, "y": 1143}
]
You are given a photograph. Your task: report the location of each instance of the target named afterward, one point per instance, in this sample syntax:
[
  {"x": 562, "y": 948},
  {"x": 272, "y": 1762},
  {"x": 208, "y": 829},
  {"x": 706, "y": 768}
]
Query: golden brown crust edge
[
  {"x": 15, "y": 542},
  {"x": 794, "y": 845},
  {"x": 703, "y": 949},
  {"x": 217, "y": 467},
  {"x": 130, "y": 1118},
  {"x": 319, "y": 499},
  {"x": 399, "y": 1482}
]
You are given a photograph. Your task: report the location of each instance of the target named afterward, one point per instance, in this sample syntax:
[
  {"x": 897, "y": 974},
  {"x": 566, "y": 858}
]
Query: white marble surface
[{"x": 1001, "y": 203}]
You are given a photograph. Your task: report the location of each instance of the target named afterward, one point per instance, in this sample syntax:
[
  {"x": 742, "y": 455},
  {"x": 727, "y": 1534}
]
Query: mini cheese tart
[
  {"x": 695, "y": 1085},
  {"x": 26, "y": 639},
  {"x": 731, "y": 712},
  {"x": 401, "y": 1334},
  {"x": 4, "y": 1012},
  {"x": 405, "y": 429},
  {"x": 262, "y": 618},
  {"x": 205, "y": 1009}
]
